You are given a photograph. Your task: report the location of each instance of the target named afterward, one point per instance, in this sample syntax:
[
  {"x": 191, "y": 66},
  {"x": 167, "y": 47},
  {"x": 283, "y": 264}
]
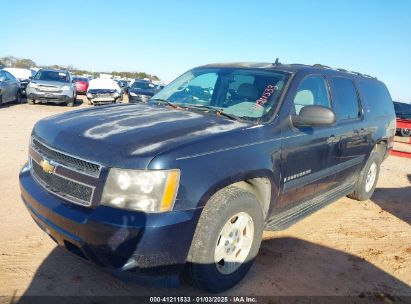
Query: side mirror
[{"x": 314, "y": 116}]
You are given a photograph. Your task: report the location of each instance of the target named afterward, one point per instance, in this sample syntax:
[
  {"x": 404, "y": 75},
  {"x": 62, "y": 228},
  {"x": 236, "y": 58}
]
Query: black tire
[
  {"x": 360, "y": 193},
  {"x": 31, "y": 101},
  {"x": 18, "y": 97},
  {"x": 405, "y": 132},
  {"x": 201, "y": 268}
]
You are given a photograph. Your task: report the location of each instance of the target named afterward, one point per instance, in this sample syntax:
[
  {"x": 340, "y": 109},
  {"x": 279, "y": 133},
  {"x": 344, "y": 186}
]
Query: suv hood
[
  {"x": 50, "y": 83},
  {"x": 128, "y": 136}
]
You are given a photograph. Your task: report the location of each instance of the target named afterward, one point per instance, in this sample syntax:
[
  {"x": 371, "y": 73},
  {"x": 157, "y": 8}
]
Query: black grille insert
[
  {"x": 63, "y": 187},
  {"x": 67, "y": 160}
]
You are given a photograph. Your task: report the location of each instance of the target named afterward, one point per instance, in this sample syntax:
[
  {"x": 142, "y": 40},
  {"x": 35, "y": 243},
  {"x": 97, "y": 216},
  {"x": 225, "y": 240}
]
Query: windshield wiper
[
  {"x": 215, "y": 110},
  {"x": 166, "y": 102}
]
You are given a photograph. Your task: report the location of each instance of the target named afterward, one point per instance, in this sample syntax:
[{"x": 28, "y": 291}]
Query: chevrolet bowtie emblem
[{"x": 47, "y": 167}]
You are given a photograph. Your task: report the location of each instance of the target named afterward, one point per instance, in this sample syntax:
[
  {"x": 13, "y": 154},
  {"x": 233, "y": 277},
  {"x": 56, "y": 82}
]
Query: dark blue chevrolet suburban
[{"x": 187, "y": 182}]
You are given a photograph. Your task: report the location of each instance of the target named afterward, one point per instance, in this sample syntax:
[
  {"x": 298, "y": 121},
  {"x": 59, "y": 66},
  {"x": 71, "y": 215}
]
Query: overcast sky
[{"x": 168, "y": 37}]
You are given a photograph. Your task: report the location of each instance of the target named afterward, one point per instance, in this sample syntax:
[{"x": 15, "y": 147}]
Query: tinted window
[
  {"x": 377, "y": 97},
  {"x": 140, "y": 85},
  {"x": 9, "y": 76},
  {"x": 312, "y": 91},
  {"x": 2, "y": 76},
  {"x": 346, "y": 104}
]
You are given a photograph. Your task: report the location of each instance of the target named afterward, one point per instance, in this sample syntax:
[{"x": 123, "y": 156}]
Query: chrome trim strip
[
  {"x": 73, "y": 156},
  {"x": 237, "y": 147},
  {"x": 63, "y": 196}
]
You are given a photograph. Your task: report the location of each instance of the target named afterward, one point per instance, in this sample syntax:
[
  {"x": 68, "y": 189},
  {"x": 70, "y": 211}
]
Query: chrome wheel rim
[
  {"x": 371, "y": 176},
  {"x": 405, "y": 132},
  {"x": 234, "y": 243}
]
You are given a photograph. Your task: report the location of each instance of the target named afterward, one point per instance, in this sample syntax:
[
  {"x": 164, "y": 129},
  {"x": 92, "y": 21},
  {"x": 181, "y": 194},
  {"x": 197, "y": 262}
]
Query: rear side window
[
  {"x": 9, "y": 76},
  {"x": 378, "y": 98},
  {"x": 313, "y": 90},
  {"x": 346, "y": 102}
]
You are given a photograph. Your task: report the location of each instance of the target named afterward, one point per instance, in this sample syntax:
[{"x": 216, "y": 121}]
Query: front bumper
[
  {"x": 138, "y": 98},
  {"x": 49, "y": 97},
  {"x": 120, "y": 239}
]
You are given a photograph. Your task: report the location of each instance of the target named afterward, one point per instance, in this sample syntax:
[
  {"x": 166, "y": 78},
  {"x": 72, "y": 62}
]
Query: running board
[{"x": 290, "y": 216}]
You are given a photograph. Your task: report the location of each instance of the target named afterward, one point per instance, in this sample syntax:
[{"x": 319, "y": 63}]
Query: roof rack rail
[
  {"x": 318, "y": 65},
  {"x": 277, "y": 62},
  {"x": 342, "y": 70}
]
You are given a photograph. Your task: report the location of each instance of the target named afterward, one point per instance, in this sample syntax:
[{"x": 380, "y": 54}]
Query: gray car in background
[
  {"x": 9, "y": 88},
  {"x": 49, "y": 85}
]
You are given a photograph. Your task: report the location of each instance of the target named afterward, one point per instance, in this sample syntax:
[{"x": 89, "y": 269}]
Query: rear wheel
[
  {"x": 226, "y": 240},
  {"x": 18, "y": 97},
  {"x": 367, "y": 180}
]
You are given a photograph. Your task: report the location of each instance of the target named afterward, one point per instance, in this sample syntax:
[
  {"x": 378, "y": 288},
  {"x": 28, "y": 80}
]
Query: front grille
[
  {"x": 49, "y": 89},
  {"x": 63, "y": 187},
  {"x": 80, "y": 165},
  {"x": 102, "y": 95}
]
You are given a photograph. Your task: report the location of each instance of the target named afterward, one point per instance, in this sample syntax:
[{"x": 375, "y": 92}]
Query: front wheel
[
  {"x": 18, "y": 97},
  {"x": 367, "y": 180},
  {"x": 31, "y": 101},
  {"x": 405, "y": 132},
  {"x": 226, "y": 241}
]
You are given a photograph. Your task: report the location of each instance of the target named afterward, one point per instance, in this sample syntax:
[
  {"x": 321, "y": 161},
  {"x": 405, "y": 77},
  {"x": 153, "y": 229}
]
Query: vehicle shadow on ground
[
  {"x": 392, "y": 201},
  {"x": 284, "y": 267}
]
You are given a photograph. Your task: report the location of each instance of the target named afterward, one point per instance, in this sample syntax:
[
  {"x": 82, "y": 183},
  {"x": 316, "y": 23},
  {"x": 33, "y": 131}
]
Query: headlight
[
  {"x": 65, "y": 88},
  {"x": 148, "y": 191},
  {"x": 133, "y": 94},
  {"x": 33, "y": 85},
  {"x": 89, "y": 95},
  {"x": 116, "y": 94}
]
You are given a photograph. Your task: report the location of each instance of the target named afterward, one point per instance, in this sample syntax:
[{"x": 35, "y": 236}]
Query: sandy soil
[{"x": 347, "y": 248}]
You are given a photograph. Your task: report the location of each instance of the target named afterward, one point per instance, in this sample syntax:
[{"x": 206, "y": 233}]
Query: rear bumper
[{"x": 119, "y": 239}]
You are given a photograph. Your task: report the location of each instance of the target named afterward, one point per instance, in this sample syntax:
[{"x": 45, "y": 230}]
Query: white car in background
[
  {"x": 103, "y": 91},
  {"x": 23, "y": 75}
]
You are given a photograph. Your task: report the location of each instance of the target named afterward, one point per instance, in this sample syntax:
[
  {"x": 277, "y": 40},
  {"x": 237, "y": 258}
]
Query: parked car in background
[
  {"x": 123, "y": 84},
  {"x": 189, "y": 183},
  {"x": 103, "y": 91},
  {"x": 23, "y": 75},
  {"x": 51, "y": 85},
  {"x": 159, "y": 87},
  {"x": 403, "y": 111},
  {"x": 141, "y": 91},
  {"x": 81, "y": 84},
  {"x": 9, "y": 88}
]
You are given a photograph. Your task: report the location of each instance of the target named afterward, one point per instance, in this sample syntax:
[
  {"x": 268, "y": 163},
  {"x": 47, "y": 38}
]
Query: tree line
[{"x": 11, "y": 61}]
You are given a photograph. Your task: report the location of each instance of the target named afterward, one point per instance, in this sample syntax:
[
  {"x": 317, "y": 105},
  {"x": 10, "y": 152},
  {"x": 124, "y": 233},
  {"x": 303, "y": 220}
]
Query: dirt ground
[{"x": 347, "y": 248}]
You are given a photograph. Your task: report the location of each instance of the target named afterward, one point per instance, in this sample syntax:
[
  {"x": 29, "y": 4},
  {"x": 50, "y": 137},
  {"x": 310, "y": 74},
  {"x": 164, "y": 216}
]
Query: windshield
[
  {"x": 140, "y": 85},
  {"x": 80, "y": 79},
  {"x": 52, "y": 76},
  {"x": 246, "y": 93}
]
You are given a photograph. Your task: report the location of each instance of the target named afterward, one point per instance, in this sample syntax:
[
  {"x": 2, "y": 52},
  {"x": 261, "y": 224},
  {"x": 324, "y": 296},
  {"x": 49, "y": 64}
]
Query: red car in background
[{"x": 81, "y": 84}]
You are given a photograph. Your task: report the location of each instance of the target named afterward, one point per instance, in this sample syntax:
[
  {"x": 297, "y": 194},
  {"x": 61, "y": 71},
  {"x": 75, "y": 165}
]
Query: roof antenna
[{"x": 277, "y": 62}]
